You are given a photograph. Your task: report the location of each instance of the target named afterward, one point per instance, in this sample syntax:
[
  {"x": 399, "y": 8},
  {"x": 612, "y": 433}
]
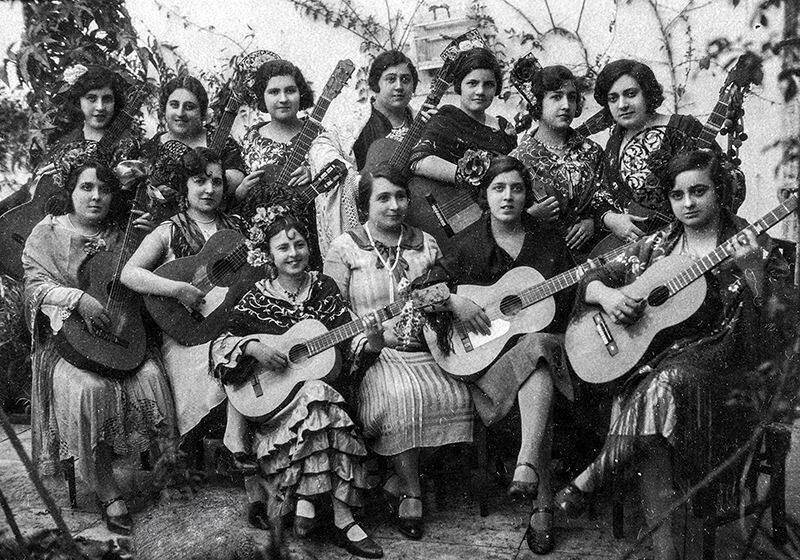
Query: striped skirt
[{"x": 406, "y": 401}]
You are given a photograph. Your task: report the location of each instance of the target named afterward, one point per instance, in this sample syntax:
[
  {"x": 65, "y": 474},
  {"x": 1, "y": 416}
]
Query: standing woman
[
  {"x": 183, "y": 104},
  {"x": 528, "y": 372},
  {"x": 281, "y": 91},
  {"x": 629, "y": 91},
  {"x": 79, "y": 414},
  {"x": 477, "y": 78},
  {"x": 667, "y": 408},
  {"x": 310, "y": 449},
  {"x": 197, "y": 175},
  {"x": 405, "y": 402}
]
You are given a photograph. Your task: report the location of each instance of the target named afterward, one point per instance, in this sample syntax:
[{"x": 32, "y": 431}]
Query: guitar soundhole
[
  {"x": 658, "y": 296},
  {"x": 298, "y": 353},
  {"x": 510, "y": 305}
]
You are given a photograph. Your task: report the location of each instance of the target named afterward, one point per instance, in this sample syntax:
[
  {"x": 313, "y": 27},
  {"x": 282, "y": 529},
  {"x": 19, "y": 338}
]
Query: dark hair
[
  {"x": 701, "y": 160},
  {"x": 552, "y": 78},
  {"x": 190, "y": 84},
  {"x": 280, "y": 67},
  {"x": 391, "y": 173},
  {"x": 193, "y": 163},
  {"x": 385, "y": 60},
  {"x": 477, "y": 59},
  {"x": 285, "y": 223},
  {"x": 61, "y": 202},
  {"x": 642, "y": 73},
  {"x": 503, "y": 164},
  {"x": 95, "y": 77}
]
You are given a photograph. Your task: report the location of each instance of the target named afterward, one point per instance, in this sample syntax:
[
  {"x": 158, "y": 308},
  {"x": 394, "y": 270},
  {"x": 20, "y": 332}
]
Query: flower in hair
[
  {"x": 72, "y": 73},
  {"x": 472, "y": 167},
  {"x": 257, "y": 236}
]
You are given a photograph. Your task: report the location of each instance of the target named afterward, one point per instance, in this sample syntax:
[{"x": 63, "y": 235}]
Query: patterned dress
[
  {"x": 311, "y": 446},
  {"x": 405, "y": 400},
  {"x": 702, "y": 364},
  {"x": 75, "y": 410}
]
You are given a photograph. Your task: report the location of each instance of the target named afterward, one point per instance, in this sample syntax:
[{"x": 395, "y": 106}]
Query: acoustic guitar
[
  {"x": 118, "y": 351},
  {"x": 276, "y": 177},
  {"x": 674, "y": 287},
  {"x": 746, "y": 72},
  {"x": 221, "y": 272},
  {"x": 520, "y": 302},
  {"x": 18, "y": 223},
  {"x": 309, "y": 347}
]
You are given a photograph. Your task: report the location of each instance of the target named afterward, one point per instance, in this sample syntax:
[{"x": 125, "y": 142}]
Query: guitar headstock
[
  {"x": 135, "y": 96},
  {"x": 330, "y": 176},
  {"x": 746, "y": 72},
  {"x": 430, "y": 296},
  {"x": 524, "y": 69},
  {"x": 444, "y": 78},
  {"x": 245, "y": 73},
  {"x": 341, "y": 74}
]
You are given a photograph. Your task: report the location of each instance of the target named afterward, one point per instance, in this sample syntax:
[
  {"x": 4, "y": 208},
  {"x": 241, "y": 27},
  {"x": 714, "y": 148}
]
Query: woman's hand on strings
[
  {"x": 580, "y": 233},
  {"x": 624, "y": 225},
  {"x": 190, "y": 296},
  {"x": 93, "y": 314},
  {"x": 268, "y": 356},
  {"x": 427, "y": 111},
  {"x": 619, "y": 306},
  {"x": 300, "y": 176},
  {"x": 144, "y": 221},
  {"x": 373, "y": 329},
  {"x": 250, "y": 181},
  {"x": 470, "y": 314}
]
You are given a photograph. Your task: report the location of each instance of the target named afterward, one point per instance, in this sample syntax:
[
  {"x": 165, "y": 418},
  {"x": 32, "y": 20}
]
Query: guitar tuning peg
[
  {"x": 737, "y": 142},
  {"x": 727, "y": 124},
  {"x": 736, "y": 161},
  {"x": 743, "y": 136},
  {"x": 723, "y": 131}
]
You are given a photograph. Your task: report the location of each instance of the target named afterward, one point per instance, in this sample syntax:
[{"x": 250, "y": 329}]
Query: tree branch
[{"x": 523, "y": 16}]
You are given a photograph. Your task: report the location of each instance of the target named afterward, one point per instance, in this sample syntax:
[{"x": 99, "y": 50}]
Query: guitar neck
[
  {"x": 715, "y": 120},
  {"x": 340, "y": 334},
  {"x": 307, "y": 134},
  {"x": 224, "y": 126},
  {"x": 726, "y": 249},
  {"x": 402, "y": 154},
  {"x": 120, "y": 124}
]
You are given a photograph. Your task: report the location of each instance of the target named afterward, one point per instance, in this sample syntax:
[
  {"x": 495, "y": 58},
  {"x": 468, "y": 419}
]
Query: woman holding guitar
[
  {"x": 78, "y": 414},
  {"x": 660, "y": 411},
  {"x": 405, "y": 401},
  {"x": 197, "y": 175},
  {"x": 631, "y": 200},
  {"x": 310, "y": 447},
  {"x": 183, "y": 104},
  {"x": 504, "y": 238}
]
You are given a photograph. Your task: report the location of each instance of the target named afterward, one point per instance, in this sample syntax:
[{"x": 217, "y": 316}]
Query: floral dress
[
  {"x": 74, "y": 410},
  {"x": 311, "y": 446}
]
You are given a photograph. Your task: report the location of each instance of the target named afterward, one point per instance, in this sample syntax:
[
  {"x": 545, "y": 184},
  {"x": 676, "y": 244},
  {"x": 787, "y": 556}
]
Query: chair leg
[
  {"x": 708, "y": 538},
  {"x": 778, "y": 444},
  {"x": 69, "y": 475},
  {"x": 617, "y": 508},
  {"x": 481, "y": 445}
]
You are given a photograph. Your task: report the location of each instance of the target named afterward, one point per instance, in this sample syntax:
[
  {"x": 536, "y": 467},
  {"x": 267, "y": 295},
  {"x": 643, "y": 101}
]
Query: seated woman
[
  {"x": 664, "y": 405},
  {"x": 183, "y": 104},
  {"x": 80, "y": 414},
  {"x": 504, "y": 238},
  {"x": 405, "y": 402},
  {"x": 310, "y": 447},
  {"x": 197, "y": 175}
]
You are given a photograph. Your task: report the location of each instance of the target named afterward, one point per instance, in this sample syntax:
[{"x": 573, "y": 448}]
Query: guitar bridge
[
  {"x": 110, "y": 337},
  {"x": 605, "y": 334},
  {"x": 257, "y": 389}
]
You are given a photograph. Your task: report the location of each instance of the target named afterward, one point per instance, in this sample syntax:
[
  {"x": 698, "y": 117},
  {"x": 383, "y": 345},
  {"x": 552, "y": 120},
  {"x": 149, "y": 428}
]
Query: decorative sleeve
[{"x": 228, "y": 361}]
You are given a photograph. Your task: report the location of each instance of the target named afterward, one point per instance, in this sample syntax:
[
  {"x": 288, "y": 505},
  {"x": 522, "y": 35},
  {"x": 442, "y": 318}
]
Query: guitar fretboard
[
  {"x": 401, "y": 155},
  {"x": 726, "y": 250},
  {"x": 225, "y": 124},
  {"x": 307, "y": 134},
  {"x": 121, "y": 122},
  {"x": 716, "y": 119}
]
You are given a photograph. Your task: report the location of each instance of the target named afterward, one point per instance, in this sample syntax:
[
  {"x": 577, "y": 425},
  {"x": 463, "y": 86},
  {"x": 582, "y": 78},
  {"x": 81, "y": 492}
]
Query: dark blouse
[
  {"x": 378, "y": 126},
  {"x": 231, "y": 152},
  {"x": 473, "y": 257},
  {"x": 451, "y": 132}
]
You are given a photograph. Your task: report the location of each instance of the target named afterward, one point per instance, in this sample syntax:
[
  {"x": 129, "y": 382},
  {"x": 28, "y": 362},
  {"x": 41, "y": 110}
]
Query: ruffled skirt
[{"x": 311, "y": 447}]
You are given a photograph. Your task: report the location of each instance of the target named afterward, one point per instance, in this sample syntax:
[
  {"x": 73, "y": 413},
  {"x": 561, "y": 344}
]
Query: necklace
[
  {"x": 389, "y": 267},
  {"x": 553, "y": 147},
  {"x": 293, "y": 296}
]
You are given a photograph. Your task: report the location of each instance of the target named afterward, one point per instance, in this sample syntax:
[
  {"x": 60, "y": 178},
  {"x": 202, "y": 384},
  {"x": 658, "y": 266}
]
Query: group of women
[{"x": 358, "y": 253}]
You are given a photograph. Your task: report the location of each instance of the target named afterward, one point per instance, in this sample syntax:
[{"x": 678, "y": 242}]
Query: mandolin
[
  {"x": 18, "y": 223},
  {"x": 309, "y": 347},
  {"x": 674, "y": 287},
  {"x": 520, "y": 302},
  {"x": 221, "y": 271},
  {"x": 119, "y": 351},
  {"x": 746, "y": 72},
  {"x": 277, "y": 176}
]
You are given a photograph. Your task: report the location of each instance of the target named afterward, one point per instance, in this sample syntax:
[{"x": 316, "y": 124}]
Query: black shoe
[
  {"x": 119, "y": 524},
  {"x": 365, "y": 548},
  {"x": 245, "y": 463},
  {"x": 412, "y": 527},
  {"x": 572, "y": 500},
  {"x": 258, "y": 516},
  {"x": 304, "y": 526},
  {"x": 541, "y": 541},
  {"x": 525, "y": 489}
]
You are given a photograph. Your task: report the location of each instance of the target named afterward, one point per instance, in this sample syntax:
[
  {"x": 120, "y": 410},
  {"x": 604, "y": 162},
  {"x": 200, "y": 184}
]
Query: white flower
[
  {"x": 256, "y": 234},
  {"x": 256, "y": 257},
  {"x": 72, "y": 73},
  {"x": 261, "y": 215}
]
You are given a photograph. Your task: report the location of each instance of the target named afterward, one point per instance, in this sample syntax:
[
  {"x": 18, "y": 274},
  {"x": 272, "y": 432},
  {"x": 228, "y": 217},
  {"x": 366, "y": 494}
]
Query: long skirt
[
  {"x": 406, "y": 401},
  {"x": 127, "y": 416},
  {"x": 310, "y": 447},
  {"x": 194, "y": 390}
]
